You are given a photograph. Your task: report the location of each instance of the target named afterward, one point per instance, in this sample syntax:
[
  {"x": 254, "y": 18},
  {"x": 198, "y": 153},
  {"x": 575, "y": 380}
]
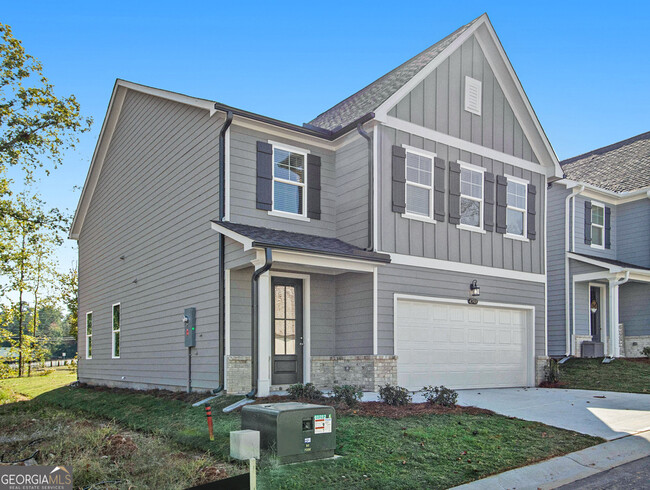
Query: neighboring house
[
  {"x": 374, "y": 219},
  {"x": 599, "y": 252}
]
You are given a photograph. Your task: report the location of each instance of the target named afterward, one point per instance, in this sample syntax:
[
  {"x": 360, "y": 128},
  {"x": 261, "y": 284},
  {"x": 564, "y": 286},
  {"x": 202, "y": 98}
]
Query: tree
[{"x": 69, "y": 295}]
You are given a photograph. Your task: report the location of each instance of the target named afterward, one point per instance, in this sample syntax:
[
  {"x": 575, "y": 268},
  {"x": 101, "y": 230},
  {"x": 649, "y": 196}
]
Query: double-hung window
[
  {"x": 597, "y": 225},
  {"x": 289, "y": 177},
  {"x": 116, "y": 331},
  {"x": 471, "y": 197},
  {"x": 89, "y": 335},
  {"x": 517, "y": 194},
  {"x": 419, "y": 185}
]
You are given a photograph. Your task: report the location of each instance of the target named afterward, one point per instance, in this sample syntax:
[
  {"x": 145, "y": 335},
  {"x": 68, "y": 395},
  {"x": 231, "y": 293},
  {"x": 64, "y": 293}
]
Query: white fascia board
[
  {"x": 612, "y": 268},
  {"x": 316, "y": 260},
  {"x": 445, "y": 139},
  {"x": 245, "y": 241},
  {"x": 610, "y": 197},
  {"x": 173, "y": 96},
  {"x": 482, "y": 270}
]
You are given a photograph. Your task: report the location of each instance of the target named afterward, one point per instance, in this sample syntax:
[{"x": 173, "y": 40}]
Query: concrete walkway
[{"x": 556, "y": 472}]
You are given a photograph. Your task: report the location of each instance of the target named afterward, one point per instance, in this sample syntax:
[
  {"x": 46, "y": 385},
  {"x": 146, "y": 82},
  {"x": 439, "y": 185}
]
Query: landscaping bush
[
  {"x": 440, "y": 395},
  {"x": 395, "y": 395},
  {"x": 307, "y": 391},
  {"x": 552, "y": 372},
  {"x": 646, "y": 351},
  {"x": 349, "y": 394}
]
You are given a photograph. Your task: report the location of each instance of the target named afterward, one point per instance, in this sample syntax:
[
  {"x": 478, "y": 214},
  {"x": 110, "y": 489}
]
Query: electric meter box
[{"x": 296, "y": 431}]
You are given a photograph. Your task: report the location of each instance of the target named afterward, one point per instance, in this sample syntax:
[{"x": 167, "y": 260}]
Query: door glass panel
[
  {"x": 285, "y": 320},
  {"x": 279, "y": 337},
  {"x": 279, "y": 301},
  {"x": 290, "y": 337},
  {"x": 290, "y": 293}
]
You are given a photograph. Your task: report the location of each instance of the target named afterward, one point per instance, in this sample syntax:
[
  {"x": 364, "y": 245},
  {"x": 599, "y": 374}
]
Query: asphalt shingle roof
[
  {"x": 621, "y": 167},
  {"x": 268, "y": 237},
  {"x": 371, "y": 97}
]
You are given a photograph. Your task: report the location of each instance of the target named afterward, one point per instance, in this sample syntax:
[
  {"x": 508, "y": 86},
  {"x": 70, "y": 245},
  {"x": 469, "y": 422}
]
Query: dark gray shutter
[
  {"x": 502, "y": 204},
  {"x": 454, "y": 193},
  {"x": 532, "y": 193},
  {"x": 488, "y": 192},
  {"x": 588, "y": 222},
  {"x": 439, "y": 189},
  {"x": 313, "y": 186},
  {"x": 264, "y": 175},
  {"x": 608, "y": 227},
  {"x": 399, "y": 179}
]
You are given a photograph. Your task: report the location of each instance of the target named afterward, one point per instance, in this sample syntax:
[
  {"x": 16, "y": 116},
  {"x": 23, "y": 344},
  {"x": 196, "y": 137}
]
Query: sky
[{"x": 585, "y": 66}]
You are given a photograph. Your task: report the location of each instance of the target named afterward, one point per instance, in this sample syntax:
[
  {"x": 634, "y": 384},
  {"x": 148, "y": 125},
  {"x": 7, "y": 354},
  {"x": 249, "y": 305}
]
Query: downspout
[
  {"x": 613, "y": 312},
  {"x": 568, "y": 248},
  {"x": 371, "y": 230},
  {"x": 222, "y": 258},
  {"x": 254, "y": 319}
]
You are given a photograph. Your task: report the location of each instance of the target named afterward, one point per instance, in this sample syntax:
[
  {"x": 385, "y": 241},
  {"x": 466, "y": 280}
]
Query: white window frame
[
  {"x": 602, "y": 206},
  {"x": 415, "y": 216},
  {"x": 118, "y": 331},
  {"x": 88, "y": 336},
  {"x": 481, "y": 170},
  {"x": 284, "y": 214},
  {"x": 524, "y": 236}
]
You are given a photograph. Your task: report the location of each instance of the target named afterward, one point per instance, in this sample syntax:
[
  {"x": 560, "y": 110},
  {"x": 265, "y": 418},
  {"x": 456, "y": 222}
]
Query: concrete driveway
[{"x": 599, "y": 413}]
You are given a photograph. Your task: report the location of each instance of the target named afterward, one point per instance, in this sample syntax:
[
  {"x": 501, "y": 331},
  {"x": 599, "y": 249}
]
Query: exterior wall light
[{"x": 474, "y": 292}]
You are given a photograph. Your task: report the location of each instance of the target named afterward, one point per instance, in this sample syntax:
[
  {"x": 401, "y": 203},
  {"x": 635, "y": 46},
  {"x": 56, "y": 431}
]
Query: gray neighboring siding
[
  {"x": 352, "y": 193},
  {"x": 444, "y": 241},
  {"x": 353, "y": 314},
  {"x": 443, "y": 284},
  {"x": 163, "y": 156},
  {"x": 438, "y": 103},
  {"x": 240, "y": 312},
  {"x": 236, "y": 256},
  {"x": 243, "y": 155},
  {"x": 633, "y": 232},
  {"x": 556, "y": 270},
  {"x": 581, "y": 246},
  {"x": 634, "y": 308}
]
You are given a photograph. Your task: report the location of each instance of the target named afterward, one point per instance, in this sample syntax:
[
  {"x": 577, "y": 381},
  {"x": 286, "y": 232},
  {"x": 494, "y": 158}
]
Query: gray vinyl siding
[
  {"x": 581, "y": 246},
  {"x": 240, "y": 312},
  {"x": 581, "y": 300},
  {"x": 555, "y": 220},
  {"x": 393, "y": 279},
  {"x": 634, "y": 308},
  {"x": 243, "y": 167},
  {"x": 163, "y": 156},
  {"x": 438, "y": 103},
  {"x": 354, "y": 314},
  {"x": 352, "y": 193},
  {"x": 445, "y": 241},
  {"x": 236, "y": 256},
  {"x": 633, "y": 232}
]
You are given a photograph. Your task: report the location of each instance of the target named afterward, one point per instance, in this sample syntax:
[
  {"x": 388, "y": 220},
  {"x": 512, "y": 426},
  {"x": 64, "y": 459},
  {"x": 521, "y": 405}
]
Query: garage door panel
[{"x": 460, "y": 346}]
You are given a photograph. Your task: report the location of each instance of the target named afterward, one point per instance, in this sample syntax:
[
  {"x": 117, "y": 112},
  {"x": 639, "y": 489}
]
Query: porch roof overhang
[
  {"x": 302, "y": 249},
  {"x": 612, "y": 269}
]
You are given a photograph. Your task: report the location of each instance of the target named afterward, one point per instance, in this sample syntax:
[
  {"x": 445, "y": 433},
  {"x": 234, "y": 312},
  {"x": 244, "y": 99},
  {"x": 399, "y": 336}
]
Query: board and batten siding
[
  {"x": 438, "y": 103},
  {"x": 445, "y": 241},
  {"x": 633, "y": 232},
  {"x": 132, "y": 250},
  {"x": 431, "y": 283},
  {"x": 352, "y": 193}
]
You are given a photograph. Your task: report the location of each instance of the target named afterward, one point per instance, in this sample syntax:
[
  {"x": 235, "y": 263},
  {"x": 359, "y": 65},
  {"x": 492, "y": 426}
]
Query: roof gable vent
[{"x": 473, "y": 96}]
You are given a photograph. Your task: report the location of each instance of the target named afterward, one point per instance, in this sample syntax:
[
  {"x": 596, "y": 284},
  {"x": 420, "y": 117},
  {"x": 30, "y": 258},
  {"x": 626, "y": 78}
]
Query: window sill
[
  {"x": 471, "y": 228},
  {"x": 516, "y": 237},
  {"x": 282, "y": 214},
  {"x": 597, "y": 247},
  {"x": 417, "y": 217}
]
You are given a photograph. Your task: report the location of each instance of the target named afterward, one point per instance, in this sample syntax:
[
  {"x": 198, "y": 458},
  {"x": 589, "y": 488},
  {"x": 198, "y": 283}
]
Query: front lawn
[
  {"x": 25, "y": 388},
  {"x": 630, "y": 376},
  {"x": 425, "y": 451}
]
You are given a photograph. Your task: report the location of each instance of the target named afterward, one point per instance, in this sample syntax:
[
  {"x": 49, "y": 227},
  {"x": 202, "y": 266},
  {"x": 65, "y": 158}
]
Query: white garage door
[{"x": 460, "y": 346}]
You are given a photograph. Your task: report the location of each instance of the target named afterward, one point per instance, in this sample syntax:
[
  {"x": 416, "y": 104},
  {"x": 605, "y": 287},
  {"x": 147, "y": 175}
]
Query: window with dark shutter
[
  {"x": 488, "y": 219},
  {"x": 313, "y": 186},
  {"x": 502, "y": 204},
  {"x": 532, "y": 194},
  {"x": 264, "y": 184},
  {"x": 439, "y": 189},
  {"x": 588, "y": 222},
  {"x": 608, "y": 227},
  {"x": 399, "y": 179},
  {"x": 454, "y": 193}
]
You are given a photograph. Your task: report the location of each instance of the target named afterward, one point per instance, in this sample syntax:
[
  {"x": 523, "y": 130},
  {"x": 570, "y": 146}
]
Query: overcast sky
[{"x": 584, "y": 65}]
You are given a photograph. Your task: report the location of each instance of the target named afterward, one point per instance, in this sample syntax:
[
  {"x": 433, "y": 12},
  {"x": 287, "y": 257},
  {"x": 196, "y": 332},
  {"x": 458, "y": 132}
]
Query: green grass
[
  {"x": 620, "y": 375},
  {"x": 431, "y": 451},
  {"x": 14, "y": 389}
]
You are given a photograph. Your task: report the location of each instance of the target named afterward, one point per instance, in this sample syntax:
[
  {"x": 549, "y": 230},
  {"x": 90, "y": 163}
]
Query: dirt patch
[
  {"x": 381, "y": 409},
  {"x": 640, "y": 360},
  {"x": 164, "y": 394},
  {"x": 210, "y": 474},
  {"x": 119, "y": 446},
  {"x": 557, "y": 384}
]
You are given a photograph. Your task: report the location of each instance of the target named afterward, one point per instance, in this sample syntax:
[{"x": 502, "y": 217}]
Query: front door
[
  {"x": 594, "y": 312},
  {"x": 287, "y": 331}
]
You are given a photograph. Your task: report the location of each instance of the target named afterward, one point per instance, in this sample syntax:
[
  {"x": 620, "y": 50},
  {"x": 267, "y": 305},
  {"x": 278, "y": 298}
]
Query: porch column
[
  {"x": 612, "y": 346},
  {"x": 264, "y": 335}
]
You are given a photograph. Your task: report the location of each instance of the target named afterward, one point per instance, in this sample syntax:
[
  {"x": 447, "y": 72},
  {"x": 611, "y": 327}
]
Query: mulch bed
[
  {"x": 380, "y": 409},
  {"x": 640, "y": 360},
  {"x": 164, "y": 394}
]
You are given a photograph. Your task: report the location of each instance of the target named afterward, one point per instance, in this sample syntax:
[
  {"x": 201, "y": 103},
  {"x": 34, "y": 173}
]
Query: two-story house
[
  {"x": 599, "y": 253},
  {"x": 399, "y": 237}
]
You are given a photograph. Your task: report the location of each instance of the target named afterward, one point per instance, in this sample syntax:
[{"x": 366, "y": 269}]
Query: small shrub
[
  {"x": 349, "y": 394},
  {"x": 552, "y": 372},
  {"x": 646, "y": 351},
  {"x": 440, "y": 395},
  {"x": 307, "y": 391},
  {"x": 395, "y": 395}
]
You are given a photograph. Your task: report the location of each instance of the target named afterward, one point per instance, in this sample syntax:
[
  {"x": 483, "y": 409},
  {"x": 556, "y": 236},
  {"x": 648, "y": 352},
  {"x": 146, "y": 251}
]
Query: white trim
[
  {"x": 545, "y": 245},
  {"x": 306, "y": 319},
  {"x": 530, "y": 322},
  {"x": 303, "y": 258},
  {"x": 473, "y": 229},
  {"x": 118, "y": 331},
  {"x": 602, "y": 227},
  {"x": 204, "y": 104},
  {"x": 418, "y": 217},
  {"x": 611, "y": 268},
  {"x": 516, "y": 237},
  {"x": 481, "y": 170},
  {"x": 227, "y": 171},
  {"x": 446, "y": 265},
  {"x": 285, "y": 214},
  {"x": 525, "y": 183},
  {"x": 291, "y": 148},
  {"x": 607, "y": 196},
  {"x": 245, "y": 241},
  {"x": 429, "y": 156},
  {"x": 227, "y": 314},
  {"x": 376, "y": 132},
  {"x": 89, "y": 335},
  {"x": 375, "y": 315}
]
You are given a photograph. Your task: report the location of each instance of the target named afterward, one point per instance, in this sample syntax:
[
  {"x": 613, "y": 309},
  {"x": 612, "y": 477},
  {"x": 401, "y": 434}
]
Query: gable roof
[
  {"x": 369, "y": 98},
  {"x": 619, "y": 167}
]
